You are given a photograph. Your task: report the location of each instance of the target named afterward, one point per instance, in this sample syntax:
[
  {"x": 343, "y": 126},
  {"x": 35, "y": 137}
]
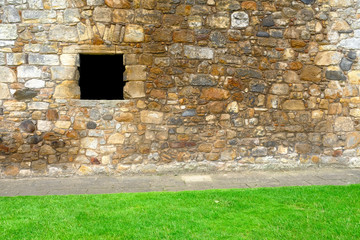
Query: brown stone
[
  {"x": 162, "y": 35},
  {"x": 123, "y": 16},
  {"x": 11, "y": 170},
  {"x": 249, "y": 5},
  {"x": 311, "y": 73},
  {"x": 216, "y": 107},
  {"x": 294, "y": 105},
  {"x": 72, "y": 134},
  {"x": 297, "y": 43},
  {"x": 52, "y": 115},
  {"x": 182, "y": 144},
  {"x": 39, "y": 166},
  {"x": 214, "y": 94},
  {"x": 295, "y": 66},
  {"x": 302, "y": 148},
  {"x": 124, "y": 117},
  {"x": 157, "y": 93},
  {"x": 184, "y": 36},
  {"x": 352, "y": 140},
  {"x": 205, "y": 147},
  {"x": 118, "y": 3}
]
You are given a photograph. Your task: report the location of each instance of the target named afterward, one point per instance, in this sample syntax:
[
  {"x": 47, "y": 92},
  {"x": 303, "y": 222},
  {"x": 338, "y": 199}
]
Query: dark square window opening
[{"x": 101, "y": 77}]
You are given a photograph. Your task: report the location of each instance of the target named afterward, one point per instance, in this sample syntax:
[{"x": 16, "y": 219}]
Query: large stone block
[
  {"x": 8, "y": 32},
  {"x": 293, "y": 105},
  {"x": 26, "y": 71},
  {"x": 63, "y": 73},
  {"x": 327, "y": 58},
  {"x": 196, "y": 52},
  {"x": 118, "y": 3},
  {"x": 279, "y": 89},
  {"x": 202, "y": 80},
  {"x": 35, "y": 83},
  {"x": 39, "y": 16},
  {"x": 102, "y": 14},
  {"x": 7, "y": 75},
  {"x": 4, "y": 91},
  {"x": 134, "y": 33},
  {"x": 135, "y": 73},
  {"x": 354, "y": 77},
  {"x": 214, "y": 94},
  {"x": 67, "y": 90},
  {"x": 63, "y": 33},
  {"x": 144, "y": 16},
  {"x": 311, "y": 73},
  {"x": 44, "y": 59},
  {"x": 12, "y": 14},
  {"x": 134, "y": 89},
  {"x": 123, "y": 16},
  {"x": 151, "y": 117},
  {"x": 343, "y": 124}
]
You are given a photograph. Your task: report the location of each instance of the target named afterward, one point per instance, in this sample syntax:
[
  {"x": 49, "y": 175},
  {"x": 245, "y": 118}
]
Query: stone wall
[{"x": 212, "y": 85}]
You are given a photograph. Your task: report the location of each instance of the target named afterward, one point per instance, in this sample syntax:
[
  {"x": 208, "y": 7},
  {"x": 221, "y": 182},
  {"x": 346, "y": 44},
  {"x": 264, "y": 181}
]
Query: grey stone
[
  {"x": 258, "y": 87},
  {"x": 248, "y": 73},
  {"x": 352, "y": 55},
  {"x": 35, "y": 83},
  {"x": 259, "y": 151},
  {"x": 39, "y": 16},
  {"x": 71, "y": 15},
  {"x": 198, "y": 52},
  {"x": 308, "y": 1},
  {"x": 35, "y": 139},
  {"x": 306, "y": 15},
  {"x": 8, "y": 31},
  {"x": 263, "y": 34},
  {"x": 12, "y": 14},
  {"x": 95, "y": 115},
  {"x": 189, "y": 113},
  {"x": 27, "y": 126},
  {"x": 94, "y": 2},
  {"x": 218, "y": 39},
  {"x": 345, "y": 64},
  {"x": 2, "y": 58},
  {"x": 35, "y": 4},
  {"x": 58, "y": 4},
  {"x": 268, "y": 21},
  {"x": 108, "y": 117},
  {"x": 335, "y": 75},
  {"x": 350, "y": 43},
  {"x": 102, "y": 14},
  {"x": 202, "y": 80},
  {"x": 277, "y": 34},
  {"x": 91, "y": 125},
  {"x": 44, "y": 59},
  {"x": 25, "y": 94}
]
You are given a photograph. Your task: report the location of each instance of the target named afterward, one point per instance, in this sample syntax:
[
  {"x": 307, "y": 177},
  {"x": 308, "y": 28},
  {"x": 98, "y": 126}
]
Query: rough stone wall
[{"x": 211, "y": 85}]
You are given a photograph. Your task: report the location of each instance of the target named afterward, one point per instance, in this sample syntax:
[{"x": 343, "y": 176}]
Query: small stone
[
  {"x": 280, "y": 89},
  {"x": 308, "y": 1},
  {"x": 352, "y": 55},
  {"x": 219, "y": 20},
  {"x": 123, "y": 4},
  {"x": 4, "y": 91},
  {"x": 189, "y": 113},
  {"x": 268, "y": 21},
  {"x": 89, "y": 142},
  {"x": 259, "y": 151},
  {"x": 91, "y": 125},
  {"x": 108, "y": 117},
  {"x": 352, "y": 140},
  {"x": 52, "y": 115},
  {"x": 46, "y": 150},
  {"x": 345, "y": 64},
  {"x": 196, "y": 52},
  {"x": 218, "y": 39},
  {"x": 354, "y": 77},
  {"x": 27, "y": 126},
  {"x": 202, "y": 80}
]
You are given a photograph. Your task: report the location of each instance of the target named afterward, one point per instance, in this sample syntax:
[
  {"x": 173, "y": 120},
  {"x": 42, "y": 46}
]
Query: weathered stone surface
[
  {"x": 327, "y": 58},
  {"x": 151, "y": 117},
  {"x": 220, "y": 20},
  {"x": 345, "y": 64},
  {"x": 63, "y": 73},
  {"x": 311, "y": 73},
  {"x": 198, "y": 52},
  {"x": 123, "y": 16},
  {"x": 44, "y": 59},
  {"x": 25, "y": 94},
  {"x": 268, "y": 21},
  {"x": 67, "y": 90},
  {"x": 134, "y": 89},
  {"x": 218, "y": 39},
  {"x": 28, "y": 72},
  {"x": 134, "y": 33},
  {"x": 135, "y": 73},
  {"x": 293, "y": 105},
  {"x": 118, "y": 3},
  {"x": 239, "y": 20},
  {"x": 89, "y": 142},
  {"x": 352, "y": 140},
  {"x": 46, "y": 150},
  {"x": 102, "y": 14},
  {"x": 202, "y": 80},
  {"x": 11, "y": 170},
  {"x": 335, "y": 75},
  {"x": 63, "y": 33},
  {"x": 124, "y": 117},
  {"x": 35, "y": 83},
  {"x": 280, "y": 89},
  {"x": 7, "y": 75},
  {"x": 354, "y": 77},
  {"x": 302, "y": 148},
  {"x": 116, "y": 138},
  {"x": 8, "y": 31},
  {"x": 214, "y": 94},
  {"x": 343, "y": 124},
  {"x": 4, "y": 91}
]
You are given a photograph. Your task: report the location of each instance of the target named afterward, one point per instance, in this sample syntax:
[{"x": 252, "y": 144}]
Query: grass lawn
[{"x": 316, "y": 212}]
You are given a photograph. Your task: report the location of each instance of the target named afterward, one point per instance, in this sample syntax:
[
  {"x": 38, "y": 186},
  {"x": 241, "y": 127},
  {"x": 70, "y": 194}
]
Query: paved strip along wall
[{"x": 211, "y": 85}]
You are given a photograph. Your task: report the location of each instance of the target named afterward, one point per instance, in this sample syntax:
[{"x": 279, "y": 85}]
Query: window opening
[{"x": 101, "y": 77}]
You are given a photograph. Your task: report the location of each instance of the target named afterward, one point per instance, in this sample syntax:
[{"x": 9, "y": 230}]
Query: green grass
[{"x": 316, "y": 212}]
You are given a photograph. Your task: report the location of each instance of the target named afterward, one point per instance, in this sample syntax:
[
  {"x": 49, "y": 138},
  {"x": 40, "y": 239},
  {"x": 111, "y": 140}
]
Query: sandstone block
[
  {"x": 214, "y": 94},
  {"x": 354, "y": 77},
  {"x": 71, "y": 15},
  {"x": 352, "y": 140},
  {"x": 46, "y": 150},
  {"x": 293, "y": 105},
  {"x": 311, "y": 73},
  {"x": 14, "y": 105},
  {"x": 151, "y": 117},
  {"x": 4, "y": 91},
  {"x": 343, "y": 124},
  {"x": 44, "y": 59},
  {"x": 39, "y": 16},
  {"x": 279, "y": 89},
  {"x": 67, "y": 90},
  {"x": 184, "y": 36},
  {"x": 11, "y": 170},
  {"x": 135, "y": 73},
  {"x": 63, "y": 73},
  {"x": 219, "y": 20},
  {"x": 123, "y": 16},
  {"x": 134, "y": 33},
  {"x": 116, "y": 138},
  {"x": 124, "y": 117},
  {"x": 134, "y": 89},
  {"x": 355, "y": 112},
  {"x": 239, "y": 20},
  {"x": 63, "y": 33},
  {"x": 89, "y": 142},
  {"x": 7, "y": 75},
  {"x": 8, "y": 31},
  {"x": 63, "y": 124},
  {"x": 249, "y": 5},
  {"x": 327, "y": 58},
  {"x": 102, "y": 14},
  {"x": 144, "y": 16},
  {"x": 118, "y": 3},
  {"x": 291, "y": 77}
]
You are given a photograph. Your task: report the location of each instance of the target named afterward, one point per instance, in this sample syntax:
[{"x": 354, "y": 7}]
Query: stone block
[
  {"x": 67, "y": 90},
  {"x": 279, "y": 89},
  {"x": 102, "y": 14},
  {"x": 58, "y": 4},
  {"x": 239, "y": 20},
  {"x": 219, "y": 20},
  {"x": 25, "y": 94},
  {"x": 89, "y": 142},
  {"x": 293, "y": 105},
  {"x": 46, "y": 150},
  {"x": 38, "y": 105},
  {"x": 71, "y": 15},
  {"x": 116, "y": 138},
  {"x": 124, "y": 117},
  {"x": 124, "y": 4},
  {"x": 12, "y": 14},
  {"x": 354, "y": 77},
  {"x": 63, "y": 33},
  {"x": 214, "y": 94},
  {"x": 143, "y": 16},
  {"x": 343, "y": 124},
  {"x": 94, "y": 2},
  {"x": 352, "y": 140},
  {"x": 39, "y": 16},
  {"x": 135, "y": 73},
  {"x": 202, "y": 80},
  {"x": 196, "y": 52},
  {"x": 311, "y": 73},
  {"x": 35, "y": 4},
  {"x": 14, "y": 105},
  {"x": 26, "y": 71},
  {"x": 35, "y": 83},
  {"x": 134, "y": 33},
  {"x": 151, "y": 117},
  {"x": 63, "y": 73},
  {"x": 4, "y": 91},
  {"x": 7, "y": 75},
  {"x": 8, "y": 31},
  {"x": 184, "y": 36},
  {"x": 328, "y": 58},
  {"x": 15, "y": 59},
  {"x": 44, "y": 59},
  {"x": 123, "y": 16}
]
